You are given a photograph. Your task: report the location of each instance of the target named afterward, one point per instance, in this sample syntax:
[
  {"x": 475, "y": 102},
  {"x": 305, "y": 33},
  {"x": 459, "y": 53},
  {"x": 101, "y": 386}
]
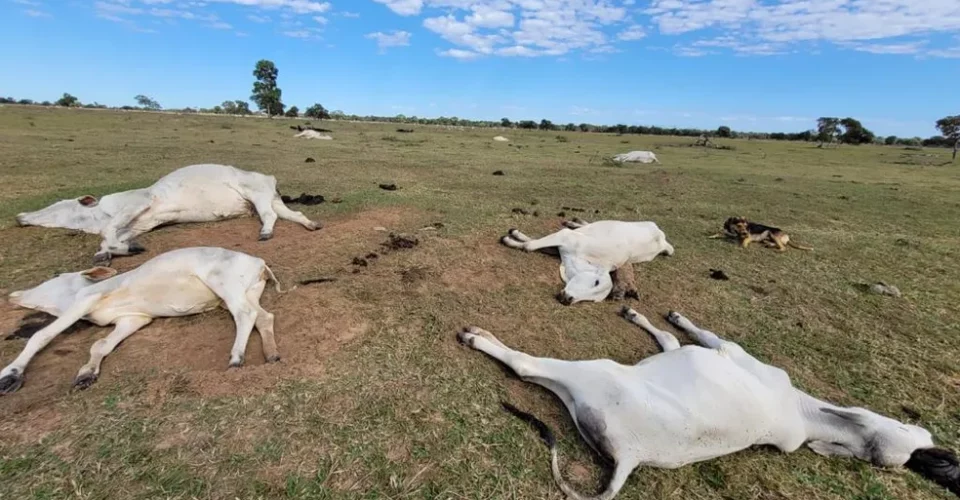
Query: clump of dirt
[
  {"x": 400, "y": 242},
  {"x": 303, "y": 199},
  {"x": 309, "y": 160},
  {"x": 499, "y": 172},
  {"x": 389, "y": 187},
  {"x": 359, "y": 261}
]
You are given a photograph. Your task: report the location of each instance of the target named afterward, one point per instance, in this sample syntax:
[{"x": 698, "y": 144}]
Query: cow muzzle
[{"x": 564, "y": 299}]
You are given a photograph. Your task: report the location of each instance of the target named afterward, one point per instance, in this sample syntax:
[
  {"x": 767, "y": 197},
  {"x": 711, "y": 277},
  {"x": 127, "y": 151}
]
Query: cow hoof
[
  {"x": 265, "y": 237},
  {"x": 236, "y": 364},
  {"x": 673, "y": 317},
  {"x": 102, "y": 258},
  {"x": 135, "y": 248},
  {"x": 465, "y": 337},
  {"x": 273, "y": 359},
  {"x": 84, "y": 381},
  {"x": 315, "y": 226},
  {"x": 632, "y": 294},
  {"x": 616, "y": 295},
  {"x": 10, "y": 383}
]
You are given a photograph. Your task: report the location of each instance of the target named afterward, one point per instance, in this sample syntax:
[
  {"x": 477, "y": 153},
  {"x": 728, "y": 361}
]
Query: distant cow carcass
[
  {"x": 196, "y": 193},
  {"x": 636, "y": 157},
  {"x": 178, "y": 283}
]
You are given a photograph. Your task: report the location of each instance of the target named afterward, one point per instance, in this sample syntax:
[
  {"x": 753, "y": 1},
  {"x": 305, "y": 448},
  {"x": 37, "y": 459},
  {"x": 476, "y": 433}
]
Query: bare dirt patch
[{"x": 190, "y": 355}]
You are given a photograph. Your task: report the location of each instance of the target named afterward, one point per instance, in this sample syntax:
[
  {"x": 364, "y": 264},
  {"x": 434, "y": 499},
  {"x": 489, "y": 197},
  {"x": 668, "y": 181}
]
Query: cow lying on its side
[
  {"x": 591, "y": 251},
  {"x": 177, "y": 283},
  {"x": 698, "y": 402},
  {"x": 196, "y": 193}
]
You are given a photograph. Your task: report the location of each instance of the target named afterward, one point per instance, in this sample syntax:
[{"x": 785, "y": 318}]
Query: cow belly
[
  {"x": 173, "y": 298},
  {"x": 200, "y": 207}
]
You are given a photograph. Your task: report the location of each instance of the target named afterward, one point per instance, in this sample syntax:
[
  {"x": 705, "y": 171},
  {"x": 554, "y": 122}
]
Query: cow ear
[
  {"x": 99, "y": 273},
  {"x": 88, "y": 201}
]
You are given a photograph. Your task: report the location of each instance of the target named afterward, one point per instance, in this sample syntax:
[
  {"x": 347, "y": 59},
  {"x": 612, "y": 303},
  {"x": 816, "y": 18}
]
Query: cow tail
[
  {"x": 551, "y": 441},
  {"x": 276, "y": 282}
]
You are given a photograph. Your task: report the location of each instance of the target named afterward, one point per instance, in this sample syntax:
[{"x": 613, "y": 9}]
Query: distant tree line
[{"x": 266, "y": 94}]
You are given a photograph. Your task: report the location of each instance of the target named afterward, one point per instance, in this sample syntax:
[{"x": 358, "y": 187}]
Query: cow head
[
  {"x": 55, "y": 295},
  {"x": 81, "y": 213},
  {"x": 585, "y": 282}
]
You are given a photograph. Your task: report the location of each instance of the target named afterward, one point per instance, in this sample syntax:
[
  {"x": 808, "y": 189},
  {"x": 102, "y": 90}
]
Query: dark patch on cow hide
[{"x": 36, "y": 321}]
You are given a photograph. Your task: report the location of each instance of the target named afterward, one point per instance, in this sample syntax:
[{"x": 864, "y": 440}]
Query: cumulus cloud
[
  {"x": 743, "y": 27},
  {"x": 392, "y": 39}
]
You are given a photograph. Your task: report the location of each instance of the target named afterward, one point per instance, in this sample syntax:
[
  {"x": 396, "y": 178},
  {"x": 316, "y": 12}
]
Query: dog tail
[{"x": 798, "y": 247}]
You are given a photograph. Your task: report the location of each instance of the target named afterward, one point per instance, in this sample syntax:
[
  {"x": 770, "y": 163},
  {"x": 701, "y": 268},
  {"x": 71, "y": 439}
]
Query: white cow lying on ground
[
  {"x": 196, "y": 193},
  {"x": 590, "y": 252},
  {"x": 636, "y": 157},
  {"x": 177, "y": 283},
  {"x": 689, "y": 404}
]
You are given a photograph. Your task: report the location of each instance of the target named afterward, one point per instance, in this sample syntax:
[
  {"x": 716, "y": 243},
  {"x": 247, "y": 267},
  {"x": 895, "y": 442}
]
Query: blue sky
[{"x": 764, "y": 65}]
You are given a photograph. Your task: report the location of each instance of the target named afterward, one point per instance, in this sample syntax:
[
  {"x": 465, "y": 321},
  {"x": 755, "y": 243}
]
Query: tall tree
[
  {"x": 68, "y": 101},
  {"x": 723, "y": 131},
  {"x": 506, "y": 123},
  {"x": 949, "y": 126},
  {"x": 828, "y": 129},
  {"x": 546, "y": 124},
  {"x": 147, "y": 102},
  {"x": 854, "y": 132},
  {"x": 317, "y": 111},
  {"x": 266, "y": 94},
  {"x": 293, "y": 112}
]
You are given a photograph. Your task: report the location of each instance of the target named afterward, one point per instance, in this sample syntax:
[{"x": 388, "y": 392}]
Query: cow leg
[
  {"x": 554, "y": 374},
  {"x": 117, "y": 237},
  {"x": 667, "y": 340},
  {"x": 703, "y": 337},
  {"x": 11, "y": 377},
  {"x": 516, "y": 239},
  {"x": 293, "y": 216},
  {"x": 233, "y": 295},
  {"x": 125, "y": 327},
  {"x": 264, "y": 323},
  {"x": 268, "y": 216},
  {"x": 624, "y": 284}
]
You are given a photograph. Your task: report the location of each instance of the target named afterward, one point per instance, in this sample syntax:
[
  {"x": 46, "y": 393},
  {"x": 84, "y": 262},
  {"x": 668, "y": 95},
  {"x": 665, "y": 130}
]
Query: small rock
[{"x": 881, "y": 288}]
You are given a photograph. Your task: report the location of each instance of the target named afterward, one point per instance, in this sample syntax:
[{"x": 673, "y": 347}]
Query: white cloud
[
  {"x": 392, "y": 39},
  {"x": 352, "y": 15},
  {"x": 258, "y": 19},
  {"x": 36, "y": 13},
  {"x": 892, "y": 48},
  {"x": 27, "y": 2},
  {"x": 632, "y": 33},
  {"x": 742, "y": 27},
  {"x": 303, "y": 34},
  {"x": 403, "y": 7},
  {"x": 463, "y": 55},
  {"x": 321, "y": 19}
]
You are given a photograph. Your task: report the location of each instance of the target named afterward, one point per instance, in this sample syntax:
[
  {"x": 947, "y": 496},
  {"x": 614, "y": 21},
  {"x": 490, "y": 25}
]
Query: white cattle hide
[
  {"x": 196, "y": 193},
  {"x": 636, "y": 157},
  {"x": 177, "y": 283}
]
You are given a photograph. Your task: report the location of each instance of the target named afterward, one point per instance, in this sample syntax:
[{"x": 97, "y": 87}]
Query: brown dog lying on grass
[{"x": 747, "y": 232}]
